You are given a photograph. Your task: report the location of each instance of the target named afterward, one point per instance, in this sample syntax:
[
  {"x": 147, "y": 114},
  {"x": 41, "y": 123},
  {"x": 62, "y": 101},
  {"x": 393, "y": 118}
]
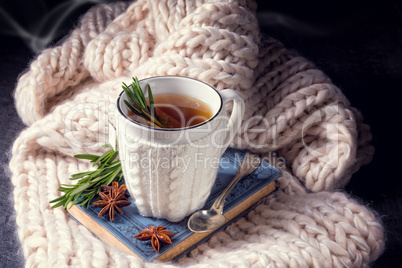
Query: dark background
[{"x": 359, "y": 45}]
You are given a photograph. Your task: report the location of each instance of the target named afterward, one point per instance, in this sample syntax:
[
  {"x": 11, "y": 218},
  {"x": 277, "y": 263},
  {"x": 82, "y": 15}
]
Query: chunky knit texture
[{"x": 291, "y": 107}]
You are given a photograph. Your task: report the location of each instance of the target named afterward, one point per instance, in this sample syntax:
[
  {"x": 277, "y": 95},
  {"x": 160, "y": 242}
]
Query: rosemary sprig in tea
[
  {"x": 154, "y": 117},
  {"x": 140, "y": 106},
  {"x": 109, "y": 169},
  {"x": 90, "y": 182}
]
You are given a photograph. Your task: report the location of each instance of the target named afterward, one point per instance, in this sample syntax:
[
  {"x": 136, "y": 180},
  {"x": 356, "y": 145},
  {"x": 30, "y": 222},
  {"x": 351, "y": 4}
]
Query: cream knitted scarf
[{"x": 292, "y": 108}]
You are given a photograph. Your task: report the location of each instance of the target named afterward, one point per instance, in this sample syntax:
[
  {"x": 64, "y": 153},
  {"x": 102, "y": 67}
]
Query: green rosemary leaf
[
  {"x": 113, "y": 176},
  {"x": 87, "y": 157},
  {"x": 151, "y": 101},
  {"x": 139, "y": 91},
  {"x": 88, "y": 193},
  {"x": 102, "y": 157},
  {"x": 65, "y": 187},
  {"x": 59, "y": 204},
  {"x": 152, "y": 119},
  {"x": 114, "y": 164},
  {"x": 69, "y": 198},
  {"x": 124, "y": 85},
  {"x": 94, "y": 174},
  {"x": 75, "y": 200},
  {"x": 107, "y": 159},
  {"x": 132, "y": 96},
  {"x": 156, "y": 121},
  {"x": 138, "y": 94},
  {"x": 81, "y": 188},
  {"x": 100, "y": 178},
  {"x": 112, "y": 157},
  {"x": 57, "y": 199},
  {"x": 129, "y": 92},
  {"x": 80, "y": 175},
  {"x": 88, "y": 199},
  {"x": 132, "y": 108}
]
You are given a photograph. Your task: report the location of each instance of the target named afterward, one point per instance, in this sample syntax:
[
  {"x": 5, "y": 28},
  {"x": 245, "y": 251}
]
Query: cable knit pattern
[
  {"x": 292, "y": 108},
  {"x": 178, "y": 179}
]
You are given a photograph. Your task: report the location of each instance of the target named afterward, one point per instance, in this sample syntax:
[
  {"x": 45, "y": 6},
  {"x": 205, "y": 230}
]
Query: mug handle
[{"x": 237, "y": 115}]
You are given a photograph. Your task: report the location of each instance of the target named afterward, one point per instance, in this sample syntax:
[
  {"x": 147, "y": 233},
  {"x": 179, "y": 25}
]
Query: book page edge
[{"x": 98, "y": 230}]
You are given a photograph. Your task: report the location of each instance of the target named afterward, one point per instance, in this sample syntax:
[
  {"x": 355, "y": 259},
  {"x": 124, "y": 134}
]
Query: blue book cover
[{"x": 120, "y": 233}]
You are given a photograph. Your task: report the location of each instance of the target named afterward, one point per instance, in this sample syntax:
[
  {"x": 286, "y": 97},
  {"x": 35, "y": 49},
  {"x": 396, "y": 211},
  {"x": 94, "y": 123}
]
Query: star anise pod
[
  {"x": 156, "y": 235},
  {"x": 106, "y": 189},
  {"x": 113, "y": 198}
]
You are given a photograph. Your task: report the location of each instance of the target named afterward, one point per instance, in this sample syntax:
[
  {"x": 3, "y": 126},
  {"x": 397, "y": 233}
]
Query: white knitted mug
[{"x": 170, "y": 172}]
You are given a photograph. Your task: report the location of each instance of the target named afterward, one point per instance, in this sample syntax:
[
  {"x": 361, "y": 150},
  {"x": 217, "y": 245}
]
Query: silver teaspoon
[{"x": 204, "y": 221}]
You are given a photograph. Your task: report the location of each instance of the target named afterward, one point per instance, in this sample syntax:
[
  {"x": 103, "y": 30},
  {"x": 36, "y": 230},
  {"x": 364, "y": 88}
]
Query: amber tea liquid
[{"x": 181, "y": 111}]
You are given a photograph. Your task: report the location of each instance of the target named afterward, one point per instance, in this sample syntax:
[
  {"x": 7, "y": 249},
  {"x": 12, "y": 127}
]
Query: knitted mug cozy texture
[{"x": 291, "y": 108}]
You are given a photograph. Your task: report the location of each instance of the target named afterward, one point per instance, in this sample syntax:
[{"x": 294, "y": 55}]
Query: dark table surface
[{"x": 358, "y": 45}]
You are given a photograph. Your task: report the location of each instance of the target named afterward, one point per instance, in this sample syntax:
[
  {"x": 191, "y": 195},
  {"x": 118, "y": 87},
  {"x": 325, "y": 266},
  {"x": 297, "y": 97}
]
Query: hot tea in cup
[
  {"x": 170, "y": 172},
  {"x": 179, "y": 111}
]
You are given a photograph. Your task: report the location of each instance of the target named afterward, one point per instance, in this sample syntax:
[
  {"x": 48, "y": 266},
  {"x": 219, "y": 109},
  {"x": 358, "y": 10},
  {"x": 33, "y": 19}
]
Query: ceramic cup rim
[{"x": 149, "y": 128}]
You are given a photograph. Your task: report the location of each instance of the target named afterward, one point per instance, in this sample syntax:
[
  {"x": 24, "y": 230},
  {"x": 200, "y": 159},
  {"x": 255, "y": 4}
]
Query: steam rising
[{"x": 44, "y": 30}]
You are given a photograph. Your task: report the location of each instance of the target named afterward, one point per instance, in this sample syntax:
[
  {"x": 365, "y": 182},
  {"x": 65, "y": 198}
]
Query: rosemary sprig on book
[
  {"x": 109, "y": 169},
  {"x": 90, "y": 182}
]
